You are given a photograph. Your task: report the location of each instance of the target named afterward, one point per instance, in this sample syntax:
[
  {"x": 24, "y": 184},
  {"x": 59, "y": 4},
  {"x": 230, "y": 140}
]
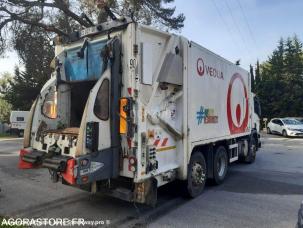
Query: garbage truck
[{"x": 129, "y": 108}]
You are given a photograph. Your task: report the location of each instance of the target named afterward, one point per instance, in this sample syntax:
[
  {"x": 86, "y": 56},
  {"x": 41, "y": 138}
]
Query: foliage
[
  {"x": 252, "y": 78},
  {"x": 5, "y": 80},
  {"x": 27, "y": 26},
  {"x": 147, "y": 12},
  {"x": 279, "y": 80},
  {"x": 43, "y": 14},
  {"x": 34, "y": 50},
  {"x": 5, "y": 110},
  {"x": 23, "y": 89},
  {"x": 5, "y": 107}
]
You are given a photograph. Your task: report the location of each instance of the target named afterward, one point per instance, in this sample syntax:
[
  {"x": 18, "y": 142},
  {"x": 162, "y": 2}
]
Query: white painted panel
[
  {"x": 211, "y": 80},
  {"x": 147, "y": 63}
]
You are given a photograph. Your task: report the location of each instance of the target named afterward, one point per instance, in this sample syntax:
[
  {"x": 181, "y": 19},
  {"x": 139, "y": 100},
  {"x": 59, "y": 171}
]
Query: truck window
[
  {"x": 87, "y": 67},
  {"x": 49, "y": 107},
  {"x": 101, "y": 107},
  {"x": 20, "y": 118}
]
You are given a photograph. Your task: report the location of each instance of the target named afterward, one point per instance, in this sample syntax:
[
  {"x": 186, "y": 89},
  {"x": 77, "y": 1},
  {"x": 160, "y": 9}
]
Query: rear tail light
[
  {"x": 132, "y": 162},
  {"x": 70, "y": 173},
  {"x": 123, "y": 115},
  {"x": 22, "y": 164},
  {"x": 84, "y": 179}
]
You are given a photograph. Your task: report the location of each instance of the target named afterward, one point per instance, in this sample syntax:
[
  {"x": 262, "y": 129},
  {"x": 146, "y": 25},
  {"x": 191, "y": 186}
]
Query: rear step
[
  {"x": 35, "y": 157},
  {"x": 56, "y": 163}
]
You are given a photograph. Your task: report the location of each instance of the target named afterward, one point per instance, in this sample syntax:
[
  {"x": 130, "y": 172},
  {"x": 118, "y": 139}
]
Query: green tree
[
  {"x": 43, "y": 14},
  {"x": 28, "y": 26},
  {"x": 23, "y": 90},
  {"x": 147, "y": 12},
  {"x": 35, "y": 52},
  {"x": 280, "y": 83},
  {"x": 258, "y": 75},
  {"x": 5, "y": 80},
  {"x": 252, "y": 78},
  {"x": 5, "y": 110}
]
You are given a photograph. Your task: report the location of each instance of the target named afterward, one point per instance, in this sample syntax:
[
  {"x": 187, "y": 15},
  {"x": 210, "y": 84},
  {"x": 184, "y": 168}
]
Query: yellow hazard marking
[{"x": 166, "y": 148}]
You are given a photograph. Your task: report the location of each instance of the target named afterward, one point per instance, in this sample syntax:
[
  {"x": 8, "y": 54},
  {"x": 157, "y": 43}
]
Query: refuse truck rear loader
[{"x": 129, "y": 108}]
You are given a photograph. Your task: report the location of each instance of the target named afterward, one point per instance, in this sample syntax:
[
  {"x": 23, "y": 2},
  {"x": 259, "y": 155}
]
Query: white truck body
[
  {"x": 18, "y": 120},
  {"x": 182, "y": 98}
]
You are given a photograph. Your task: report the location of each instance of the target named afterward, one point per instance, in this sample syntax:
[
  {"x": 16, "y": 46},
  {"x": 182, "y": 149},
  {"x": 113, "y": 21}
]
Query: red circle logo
[
  {"x": 200, "y": 66},
  {"x": 238, "y": 127}
]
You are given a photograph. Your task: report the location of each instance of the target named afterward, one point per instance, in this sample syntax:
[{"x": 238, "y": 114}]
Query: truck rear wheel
[
  {"x": 220, "y": 165},
  {"x": 196, "y": 175}
]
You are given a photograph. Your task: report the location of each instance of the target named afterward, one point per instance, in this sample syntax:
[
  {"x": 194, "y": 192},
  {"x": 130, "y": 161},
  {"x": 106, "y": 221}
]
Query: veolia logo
[
  {"x": 238, "y": 124},
  {"x": 200, "y": 67},
  {"x": 204, "y": 68}
]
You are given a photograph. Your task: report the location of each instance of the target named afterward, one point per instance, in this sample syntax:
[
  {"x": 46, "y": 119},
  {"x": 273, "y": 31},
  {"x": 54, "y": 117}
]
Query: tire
[
  {"x": 269, "y": 131},
  {"x": 22, "y": 134},
  {"x": 252, "y": 151},
  {"x": 196, "y": 176},
  {"x": 220, "y": 165},
  {"x": 284, "y": 133}
]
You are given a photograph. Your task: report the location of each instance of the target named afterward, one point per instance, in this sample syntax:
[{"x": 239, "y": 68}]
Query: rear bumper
[
  {"x": 58, "y": 164},
  {"x": 294, "y": 133},
  {"x": 30, "y": 159},
  {"x": 81, "y": 170}
]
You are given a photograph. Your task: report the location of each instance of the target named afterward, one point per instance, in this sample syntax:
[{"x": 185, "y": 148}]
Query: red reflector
[
  {"x": 84, "y": 179},
  {"x": 129, "y": 142},
  {"x": 68, "y": 175},
  {"x": 129, "y": 90},
  {"x": 132, "y": 164},
  {"x": 22, "y": 164}
]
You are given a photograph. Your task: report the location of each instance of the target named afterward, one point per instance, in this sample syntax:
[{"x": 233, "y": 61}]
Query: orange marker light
[{"x": 123, "y": 116}]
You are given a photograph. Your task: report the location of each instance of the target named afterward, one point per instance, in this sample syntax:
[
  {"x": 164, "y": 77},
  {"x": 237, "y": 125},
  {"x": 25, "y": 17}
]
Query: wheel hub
[{"x": 198, "y": 174}]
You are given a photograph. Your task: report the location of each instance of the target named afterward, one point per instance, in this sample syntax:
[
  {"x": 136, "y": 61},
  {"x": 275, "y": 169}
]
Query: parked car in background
[
  {"x": 285, "y": 127},
  {"x": 18, "y": 120},
  {"x": 299, "y": 119}
]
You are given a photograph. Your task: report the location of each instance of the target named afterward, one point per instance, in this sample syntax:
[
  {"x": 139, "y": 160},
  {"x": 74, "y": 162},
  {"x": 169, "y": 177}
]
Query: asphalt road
[{"x": 265, "y": 194}]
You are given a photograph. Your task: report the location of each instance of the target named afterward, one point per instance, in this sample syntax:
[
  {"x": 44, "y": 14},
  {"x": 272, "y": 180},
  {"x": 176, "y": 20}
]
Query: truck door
[{"x": 99, "y": 131}]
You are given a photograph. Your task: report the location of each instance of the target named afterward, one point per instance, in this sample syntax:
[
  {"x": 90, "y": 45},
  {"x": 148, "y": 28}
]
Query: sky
[{"x": 235, "y": 29}]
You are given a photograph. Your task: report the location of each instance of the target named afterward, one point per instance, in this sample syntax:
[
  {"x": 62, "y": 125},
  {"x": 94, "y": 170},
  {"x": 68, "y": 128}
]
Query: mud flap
[{"x": 146, "y": 192}]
